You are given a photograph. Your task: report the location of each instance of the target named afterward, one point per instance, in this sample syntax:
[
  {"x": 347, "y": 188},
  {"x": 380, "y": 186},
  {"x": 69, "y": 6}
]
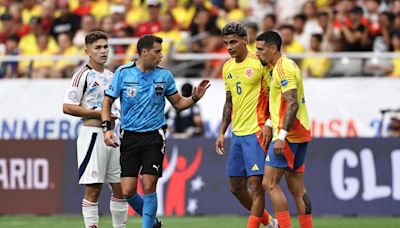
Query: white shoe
[{"x": 272, "y": 224}]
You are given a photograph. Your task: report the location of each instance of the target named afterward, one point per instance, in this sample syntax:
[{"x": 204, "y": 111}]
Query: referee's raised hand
[{"x": 200, "y": 89}]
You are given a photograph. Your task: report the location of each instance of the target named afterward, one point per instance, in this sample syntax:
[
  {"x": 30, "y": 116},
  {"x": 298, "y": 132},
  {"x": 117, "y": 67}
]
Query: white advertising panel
[{"x": 341, "y": 107}]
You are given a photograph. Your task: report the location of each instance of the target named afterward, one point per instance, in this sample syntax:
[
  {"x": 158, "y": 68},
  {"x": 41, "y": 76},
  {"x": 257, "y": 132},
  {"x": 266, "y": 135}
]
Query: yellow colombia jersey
[
  {"x": 286, "y": 76},
  {"x": 247, "y": 82}
]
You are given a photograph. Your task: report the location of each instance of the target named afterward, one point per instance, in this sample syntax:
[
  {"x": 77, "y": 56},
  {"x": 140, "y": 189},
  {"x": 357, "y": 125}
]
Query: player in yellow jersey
[
  {"x": 246, "y": 105},
  {"x": 291, "y": 131}
]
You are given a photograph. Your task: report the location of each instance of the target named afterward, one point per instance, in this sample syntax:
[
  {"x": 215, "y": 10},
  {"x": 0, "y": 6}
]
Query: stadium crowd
[{"x": 58, "y": 27}]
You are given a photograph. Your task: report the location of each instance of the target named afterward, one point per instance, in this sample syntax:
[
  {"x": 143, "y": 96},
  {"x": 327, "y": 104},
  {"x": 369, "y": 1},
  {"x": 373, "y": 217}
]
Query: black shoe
[{"x": 158, "y": 224}]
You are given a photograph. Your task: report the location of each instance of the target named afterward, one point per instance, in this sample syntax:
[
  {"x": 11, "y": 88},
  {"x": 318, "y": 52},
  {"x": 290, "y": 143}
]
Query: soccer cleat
[
  {"x": 158, "y": 224},
  {"x": 272, "y": 224}
]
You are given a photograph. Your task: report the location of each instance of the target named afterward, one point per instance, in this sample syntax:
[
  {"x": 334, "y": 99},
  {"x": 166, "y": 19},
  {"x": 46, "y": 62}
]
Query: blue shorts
[
  {"x": 293, "y": 158},
  {"x": 246, "y": 157}
]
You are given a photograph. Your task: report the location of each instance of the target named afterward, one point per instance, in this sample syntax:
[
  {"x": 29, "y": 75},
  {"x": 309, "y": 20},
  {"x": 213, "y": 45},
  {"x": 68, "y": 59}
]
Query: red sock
[
  {"x": 283, "y": 219},
  {"x": 305, "y": 221},
  {"x": 254, "y": 222},
  {"x": 265, "y": 218}
]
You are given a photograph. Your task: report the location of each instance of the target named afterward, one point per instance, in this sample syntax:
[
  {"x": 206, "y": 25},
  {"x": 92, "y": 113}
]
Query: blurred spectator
[
  {"x": 324, "y": 22},
  {"x": 355, "y": 35},
  {"x": 9, "y": 69},
  {"x": 30, "y": 9},
  {"x": 287, "y": 9},
  {"x": 315, "y": 66},
  {"x": 67, "y": 22},
  {"x": 213, "y": 67},
  {"x": 395, "y": 68},
  {"x": 252, "y": 32},
  {"x": 101, "y": 8},
  {"x": 258, "y": 9},
  {"x": 135, "y": 11},
  {"x": 186, "y": 123},
  {"x": 300, "y": 35},
  {"x": 230, "y": 13},
  {"x": 289, "y": 44},
  {"x": 394, "y": 127},
  {"x": 173, "y": 40},
  {"x": 85, "y": 7},
  {"x": 16, "y": 14},
  {"x": 88, "y": 24},
  {"x": 47, "y": 15},
  {"x": 29, "y": 44},
  {"x": 180, "y": 13},
  {"x": 268, "y": 23},
  {"x": 202, "y": 27},
  {"x": 311, "y": 23},
  {"x": 372, "y": 14},
  {"x": 7, "y": 27},
  {"x": 152, "y": 25},
  {"x": 381, "y": 38},
  {"x": 42, "y": 68},
  {"x": 107, "y": 25},
  {"x": 65, "y": 68}
]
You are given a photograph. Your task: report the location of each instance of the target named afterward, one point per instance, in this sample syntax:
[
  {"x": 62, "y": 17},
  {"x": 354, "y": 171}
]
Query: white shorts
[{"x": 97, "y": 162}]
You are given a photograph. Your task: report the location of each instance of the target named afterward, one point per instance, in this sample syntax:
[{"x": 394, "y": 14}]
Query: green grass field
[{"x": 194, "y": 222}]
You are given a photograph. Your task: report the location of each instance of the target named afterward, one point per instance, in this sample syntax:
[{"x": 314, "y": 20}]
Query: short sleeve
[
  {"x": 114, "y": 89},
  {"x": 75, "y": 89},
  {"x": 170, "y": 85},
  {"x": 225, "y": 74},
  {"x": 288, "y": 76}
]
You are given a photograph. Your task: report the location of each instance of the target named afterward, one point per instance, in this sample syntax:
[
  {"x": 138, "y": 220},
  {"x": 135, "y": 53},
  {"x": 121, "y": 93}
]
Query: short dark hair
[
  {"x": 286, "y": 26},
  {"x": 301, "y": 17},
  {"x": 271, "y": 16},
  {"x": 271, "y": 37},
  {"x": 147, "y": 42},
  {"x": 187, "y": 89},
  {"x": 234, "y": 28},
  {"x": 95, "y": 36},
  {"x": 317, "y": 36},
  {"x": 252, "y": 25}
]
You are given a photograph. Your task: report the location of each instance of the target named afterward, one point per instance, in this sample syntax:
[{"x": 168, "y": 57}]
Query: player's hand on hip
[
  {"x": 109, "y": 139},
  {"x": 201, "y": 88},
  {"x": 279, "y": 147},
  {"x": 265, "y": 136},
  {"x": 219, "y": 145}
]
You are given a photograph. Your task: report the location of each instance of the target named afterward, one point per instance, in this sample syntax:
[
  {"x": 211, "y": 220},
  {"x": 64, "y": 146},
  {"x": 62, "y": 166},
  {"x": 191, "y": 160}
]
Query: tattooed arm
[
  {"x": 292, "y": 105},
  {"x": 226, "y": 120}
]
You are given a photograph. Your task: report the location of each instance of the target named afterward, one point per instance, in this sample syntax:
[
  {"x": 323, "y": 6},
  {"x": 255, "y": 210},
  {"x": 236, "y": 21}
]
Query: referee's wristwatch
[{"x": 106, "y": 125}]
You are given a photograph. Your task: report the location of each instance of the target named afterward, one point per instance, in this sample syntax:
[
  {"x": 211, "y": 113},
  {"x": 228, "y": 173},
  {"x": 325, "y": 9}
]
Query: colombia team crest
[{"x": 249, "y": 72}]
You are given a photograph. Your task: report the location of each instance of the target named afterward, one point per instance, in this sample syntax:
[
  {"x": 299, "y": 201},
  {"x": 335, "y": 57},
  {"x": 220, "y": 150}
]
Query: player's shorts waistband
[{"x": 132, "y": 133}]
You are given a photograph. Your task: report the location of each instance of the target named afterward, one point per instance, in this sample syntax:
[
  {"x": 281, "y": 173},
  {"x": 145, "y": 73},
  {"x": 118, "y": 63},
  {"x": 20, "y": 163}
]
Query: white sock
[
  {"x": 90, "y": 212},
  {"x": 119, "y": 212}
]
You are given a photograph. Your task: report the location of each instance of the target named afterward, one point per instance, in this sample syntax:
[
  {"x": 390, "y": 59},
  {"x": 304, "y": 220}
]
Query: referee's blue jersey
[{"x": 142, "y": 96}]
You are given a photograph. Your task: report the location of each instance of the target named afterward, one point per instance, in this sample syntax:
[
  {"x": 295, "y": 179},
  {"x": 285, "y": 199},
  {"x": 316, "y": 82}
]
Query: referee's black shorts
[{"x": 142, "y": 151}]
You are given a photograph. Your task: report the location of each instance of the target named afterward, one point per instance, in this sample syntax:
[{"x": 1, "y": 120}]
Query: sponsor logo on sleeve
[
  {"x": 73, "y": 95},
  {"x": 284, "y": 82}
]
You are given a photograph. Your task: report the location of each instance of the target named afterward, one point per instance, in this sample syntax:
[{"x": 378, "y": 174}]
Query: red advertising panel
[{"x": 31, "y": 177}]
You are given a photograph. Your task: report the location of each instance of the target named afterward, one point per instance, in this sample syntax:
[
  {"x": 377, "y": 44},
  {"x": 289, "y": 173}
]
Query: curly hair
[{"x": 234, "y": 28}]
